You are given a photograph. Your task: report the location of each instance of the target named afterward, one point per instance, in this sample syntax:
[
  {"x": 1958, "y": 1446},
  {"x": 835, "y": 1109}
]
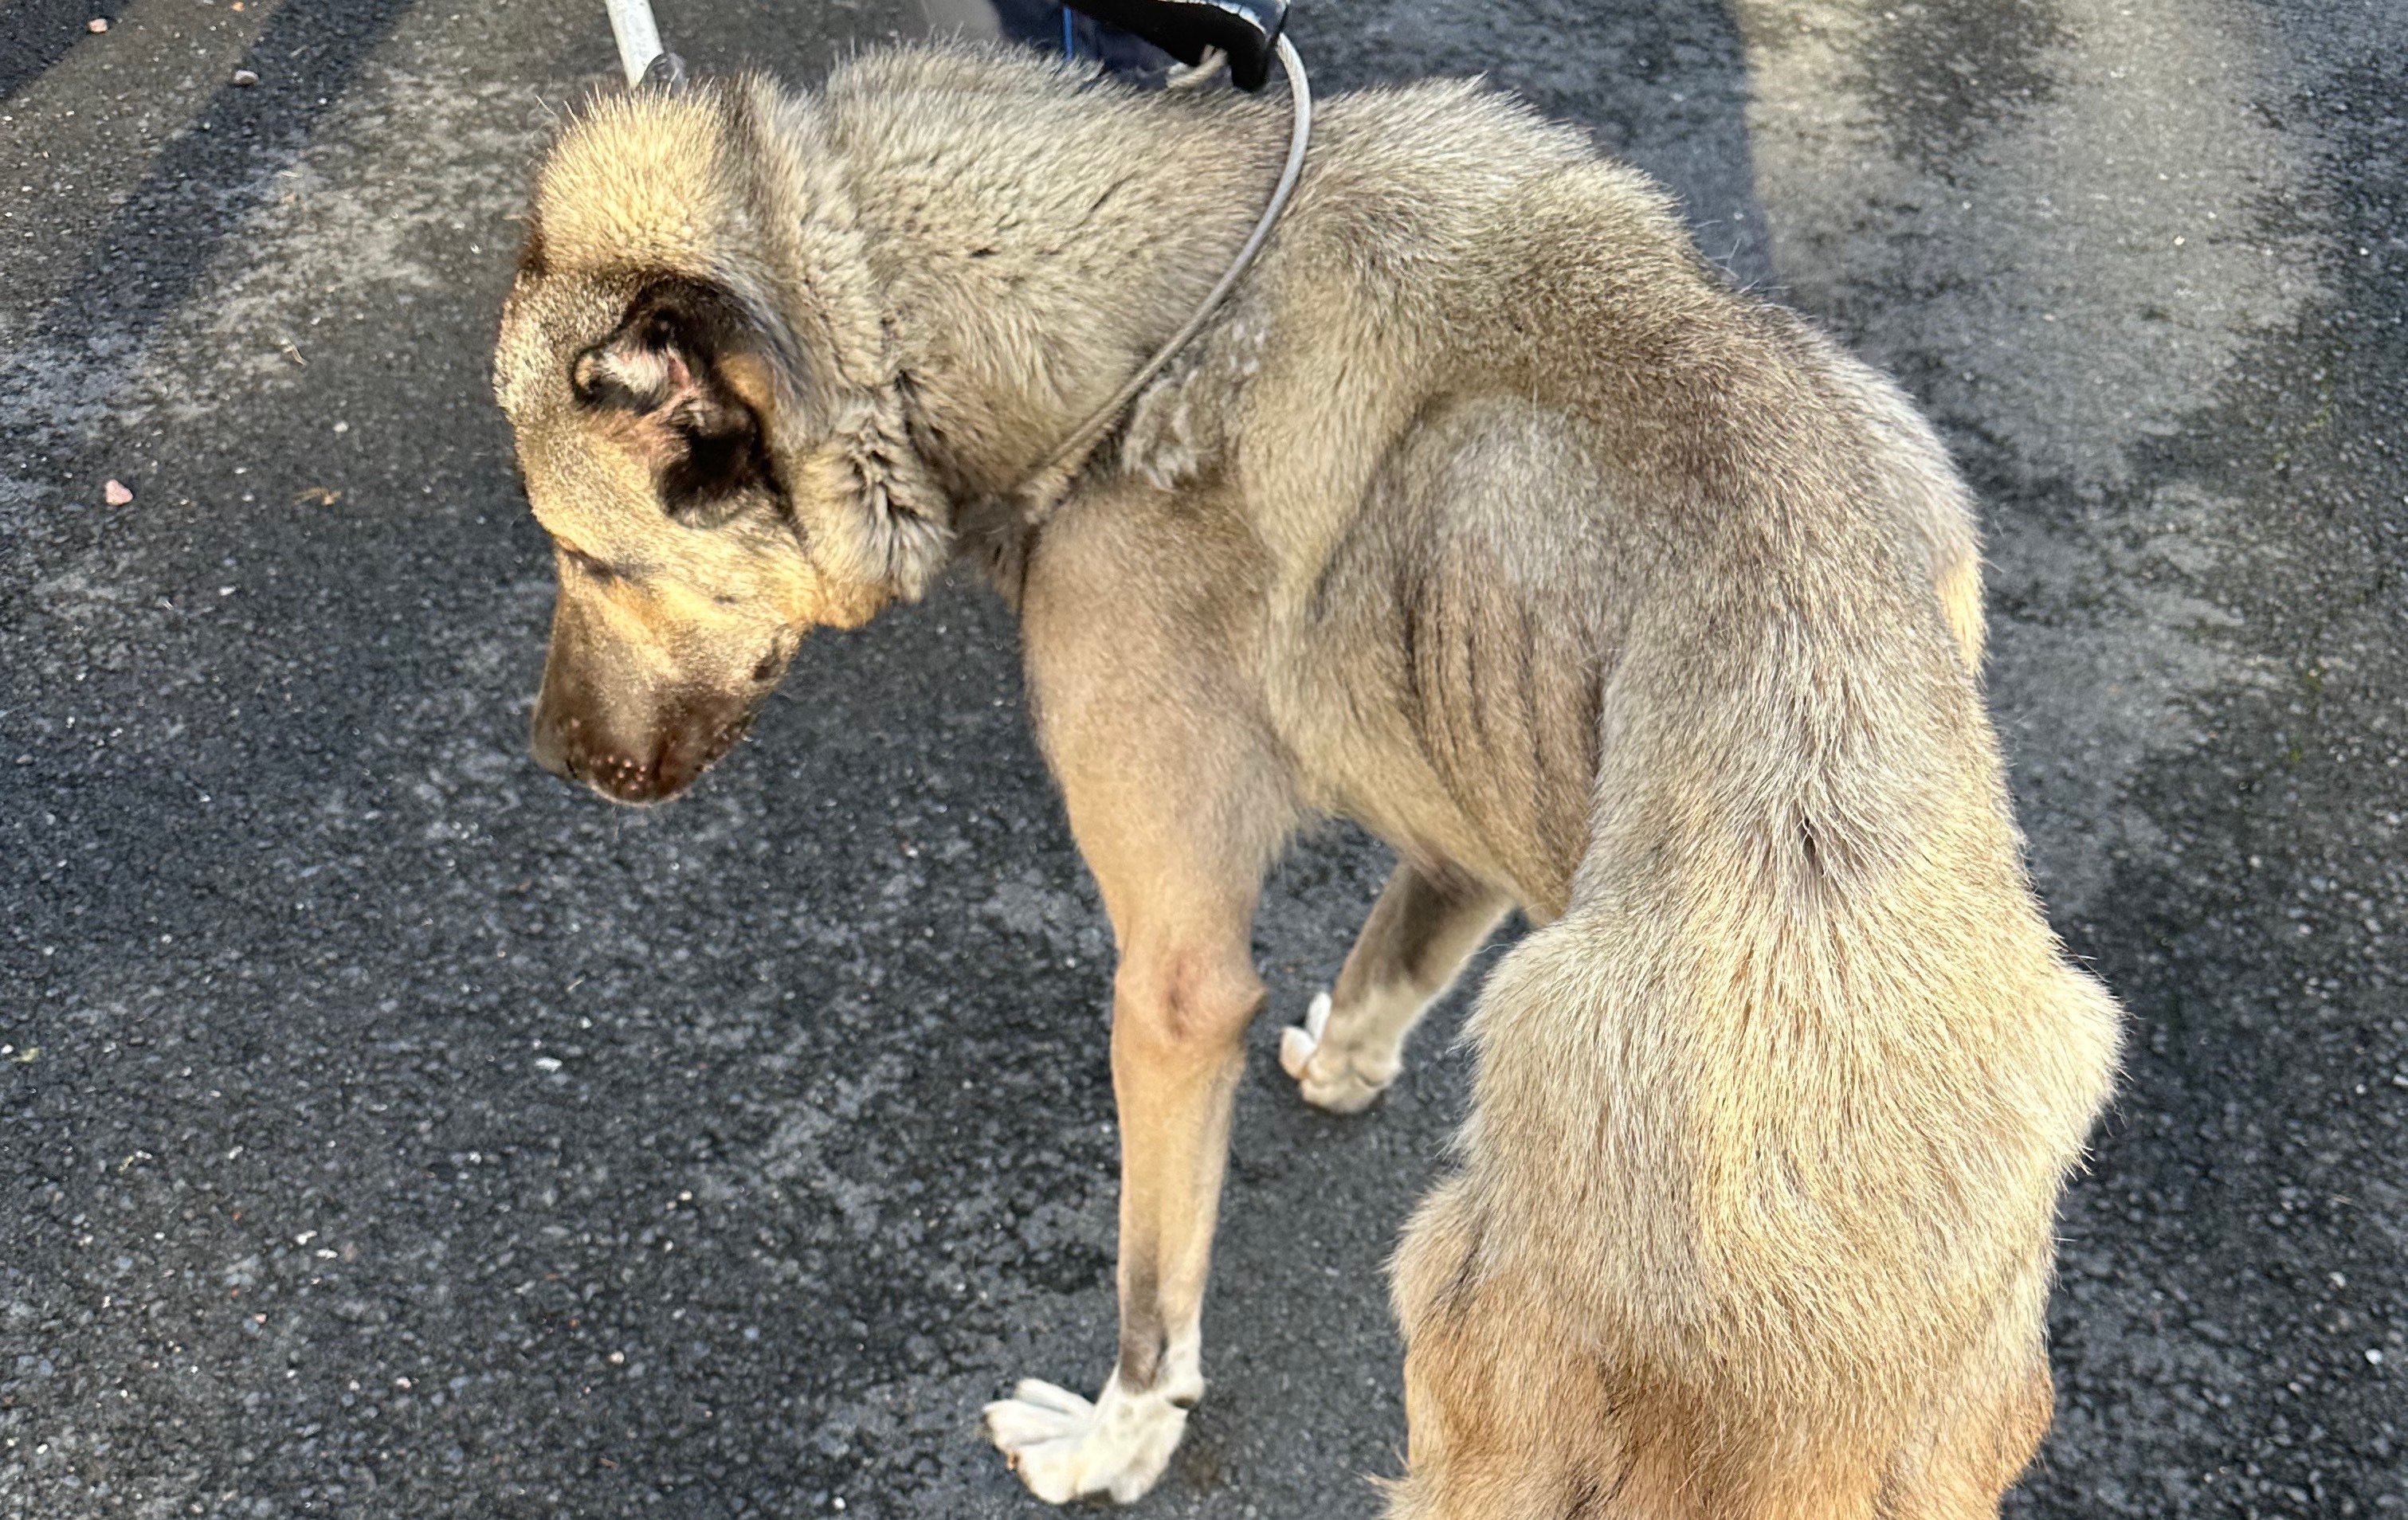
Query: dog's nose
[
  {"x": 620, "y": 777},
  {"x": 694, "y": 746},
  {"x": 565, "y": 746},
  {"x": 573, "y": 756},
  {"x": 648, "y": 762}
]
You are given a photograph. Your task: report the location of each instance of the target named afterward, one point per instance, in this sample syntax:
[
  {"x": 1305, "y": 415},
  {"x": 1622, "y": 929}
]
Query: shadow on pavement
[{"x": 208, "y": 178}]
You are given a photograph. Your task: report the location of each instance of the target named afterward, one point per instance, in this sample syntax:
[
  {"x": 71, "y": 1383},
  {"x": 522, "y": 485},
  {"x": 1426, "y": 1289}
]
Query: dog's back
[
  {"x": 1675, "y": 611},
  {"x": 1631, "y": 595}
]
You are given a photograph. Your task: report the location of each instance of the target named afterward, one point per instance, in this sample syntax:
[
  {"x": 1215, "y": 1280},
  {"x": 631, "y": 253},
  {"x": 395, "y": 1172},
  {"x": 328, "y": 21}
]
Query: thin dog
[{"x": 1489, "y": 515}]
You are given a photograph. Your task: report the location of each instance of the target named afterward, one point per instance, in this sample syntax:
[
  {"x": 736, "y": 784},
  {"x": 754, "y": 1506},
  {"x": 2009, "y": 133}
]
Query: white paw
[
  {"x": 1063, "y": 1447},
  {"x": 1330, "y": 1078}
]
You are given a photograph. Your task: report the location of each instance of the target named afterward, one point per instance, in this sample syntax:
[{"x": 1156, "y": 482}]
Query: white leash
[
  {"x": 643, "y": 60},
  {"x": 639, "y": 41}
]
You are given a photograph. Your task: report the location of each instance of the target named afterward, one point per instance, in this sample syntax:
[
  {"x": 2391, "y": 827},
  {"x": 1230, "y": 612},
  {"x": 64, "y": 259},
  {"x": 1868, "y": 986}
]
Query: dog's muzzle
[{"x": 642, "y": 763}]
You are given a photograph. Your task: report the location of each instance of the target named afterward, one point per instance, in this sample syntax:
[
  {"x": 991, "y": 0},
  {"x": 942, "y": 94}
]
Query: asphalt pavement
[{"x": 387, "y": 1130}]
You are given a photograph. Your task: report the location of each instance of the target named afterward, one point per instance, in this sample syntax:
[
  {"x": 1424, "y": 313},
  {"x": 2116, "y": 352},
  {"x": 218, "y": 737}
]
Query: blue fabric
[{"x": 1050, "y": 24}]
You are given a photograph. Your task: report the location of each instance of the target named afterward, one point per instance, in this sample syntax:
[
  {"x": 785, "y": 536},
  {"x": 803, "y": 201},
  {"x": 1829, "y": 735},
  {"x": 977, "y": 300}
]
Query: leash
[
  {"x": 641, "y": 58},
  {"x": 1064, "y": 461},
  {"x": 1249, "y": 33}
]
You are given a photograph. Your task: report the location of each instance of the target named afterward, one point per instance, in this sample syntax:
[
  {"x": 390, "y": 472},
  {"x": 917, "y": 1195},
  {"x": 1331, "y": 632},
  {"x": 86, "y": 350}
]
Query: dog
[{"x": 1486, "y": 514}]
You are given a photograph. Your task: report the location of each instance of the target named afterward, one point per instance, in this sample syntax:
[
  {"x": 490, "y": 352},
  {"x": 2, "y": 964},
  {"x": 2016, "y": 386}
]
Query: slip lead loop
[{"x": 1041, "y": 489}]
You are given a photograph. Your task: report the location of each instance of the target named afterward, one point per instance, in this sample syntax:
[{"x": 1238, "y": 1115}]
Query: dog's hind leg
[
  {"x": 1510, "y": 1411},
  {"x": 1987, "y": 1439},
  {"x": 1985, "y": 1422},
  {"x": 1425, "y": 924}
]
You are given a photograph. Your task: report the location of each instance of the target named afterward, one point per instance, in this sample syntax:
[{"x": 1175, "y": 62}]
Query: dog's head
[{"x": 707, "y": 425}]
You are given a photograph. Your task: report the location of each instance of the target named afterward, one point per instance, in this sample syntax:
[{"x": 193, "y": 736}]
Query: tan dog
[{"x": 1487, "y": 515}]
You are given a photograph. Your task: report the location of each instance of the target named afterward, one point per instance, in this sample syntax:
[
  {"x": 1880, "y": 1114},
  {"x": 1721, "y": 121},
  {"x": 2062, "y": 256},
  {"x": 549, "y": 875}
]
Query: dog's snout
[
  {"x": 661, "y": 759},
  {"x": 614, "y": 770}
]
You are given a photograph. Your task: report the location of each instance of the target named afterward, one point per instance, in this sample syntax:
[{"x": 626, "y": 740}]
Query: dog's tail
[{"x": 1755, "y": 1204}]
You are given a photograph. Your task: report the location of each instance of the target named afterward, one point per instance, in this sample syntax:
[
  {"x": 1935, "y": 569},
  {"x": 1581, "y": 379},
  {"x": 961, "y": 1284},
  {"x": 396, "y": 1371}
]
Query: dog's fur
[{"x": 1485, "y": 515}]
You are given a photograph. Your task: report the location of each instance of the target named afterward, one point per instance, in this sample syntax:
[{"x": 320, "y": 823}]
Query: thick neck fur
[{"x": 1033, "y": 235}]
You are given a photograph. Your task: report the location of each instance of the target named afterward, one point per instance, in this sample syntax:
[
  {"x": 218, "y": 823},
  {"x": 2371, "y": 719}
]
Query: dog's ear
[{"x": 696, "y": 380}]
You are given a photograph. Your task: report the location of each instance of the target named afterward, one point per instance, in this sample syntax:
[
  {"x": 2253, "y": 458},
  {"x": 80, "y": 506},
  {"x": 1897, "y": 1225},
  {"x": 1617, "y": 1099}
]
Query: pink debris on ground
[
  {"x": 117, "y": 494},
  {"x": 98, "y": 23}
]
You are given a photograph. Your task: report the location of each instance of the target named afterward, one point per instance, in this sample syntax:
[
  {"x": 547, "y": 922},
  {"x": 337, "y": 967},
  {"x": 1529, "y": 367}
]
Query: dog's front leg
[
  {"x": 1179, "y": 1010},
  {"x": 1179, "y": 801}
]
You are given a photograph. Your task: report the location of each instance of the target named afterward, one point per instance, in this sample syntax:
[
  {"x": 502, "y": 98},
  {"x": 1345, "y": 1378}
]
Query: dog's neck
[{"x": 1035, "y": 242}]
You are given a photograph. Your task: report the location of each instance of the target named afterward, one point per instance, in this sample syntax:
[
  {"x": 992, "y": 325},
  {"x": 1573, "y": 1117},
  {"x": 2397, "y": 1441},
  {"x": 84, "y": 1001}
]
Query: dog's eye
[{"x": 588, "y": 564}]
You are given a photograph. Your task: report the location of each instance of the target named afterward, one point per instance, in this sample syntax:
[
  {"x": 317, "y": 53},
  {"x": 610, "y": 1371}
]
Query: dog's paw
[
  {"x": 1065, "y": 1447},
  {"x": 1330, "y": 1078}
]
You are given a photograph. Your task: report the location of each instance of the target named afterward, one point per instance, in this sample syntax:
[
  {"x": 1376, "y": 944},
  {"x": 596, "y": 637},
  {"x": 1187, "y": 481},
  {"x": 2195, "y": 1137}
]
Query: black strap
[{"x": 1246, "y": 30}]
